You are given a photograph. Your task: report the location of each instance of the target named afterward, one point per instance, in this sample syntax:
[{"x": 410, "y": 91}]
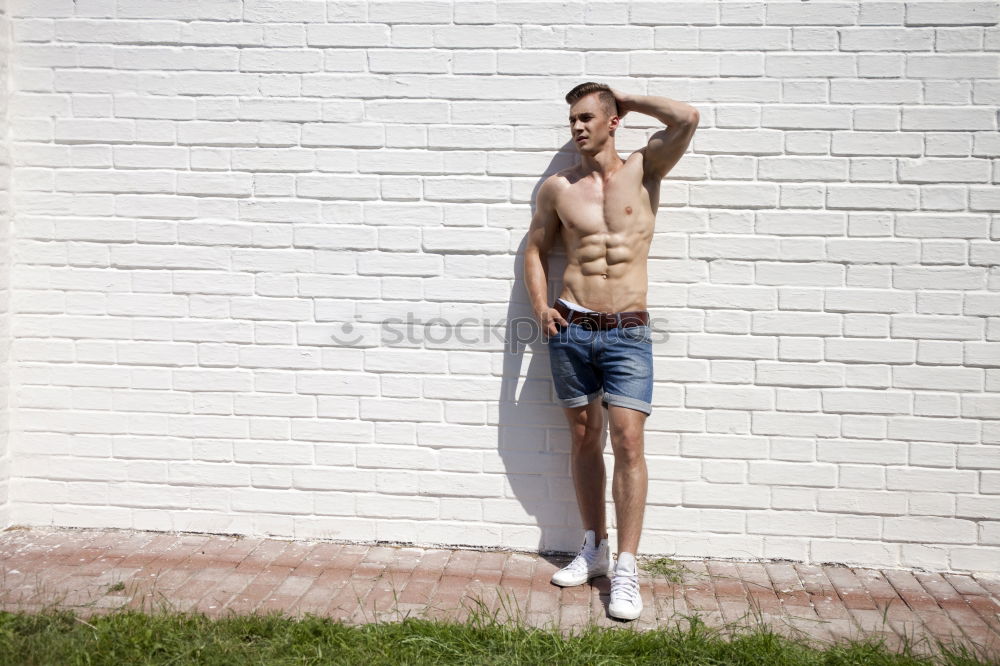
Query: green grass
[
  {"x": 168, "y": 637},
  {"x": 669, "y": 569}
]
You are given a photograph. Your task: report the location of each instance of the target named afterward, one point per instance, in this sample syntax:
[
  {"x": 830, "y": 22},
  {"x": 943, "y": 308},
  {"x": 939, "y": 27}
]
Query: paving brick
[
  {"x": 345, "y": 598},
  {"x": 516, "y": 578},
  {"x": 317, "y": 559},
  {"x": 316, "y": 599},
  {"x": 669, "y": 600},
  {"x": 286, "y": 595},
  {"x": 419, "y": 587},
  {"x": 216, "y": 601},
  {"x": 851, "y": 590},
  {"x": 599, "y": 601},
  {"x": 700, "y": 594},
  {"x": 911, "y": 591},
  {"x": 248, "y": 599},
  {"x": 372, "y": 589},
  {"x": 207, "y": 554},
  {"x": 760, "y": 592},
  {"x": 456, "y": 575},
  {"x": 200, "y": 585},
  {"x": 726, "y": 581},
  {"x": 824, "y": 598},
  {"x": 152, "y": 550},
  {"x": 261, "y": 556},
  {"x": 574, "y": 615},
  {"x": 293, "y": 555},
  {"x": 786, "y": 585},
  {"x": 357, "y": 583},
  {"x": 544, "y": 596}
]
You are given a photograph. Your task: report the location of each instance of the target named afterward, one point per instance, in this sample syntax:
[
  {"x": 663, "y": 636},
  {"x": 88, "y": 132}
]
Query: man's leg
[
  {"x": 627, "y": 365},
  {"x": 586, "y": 426},
  {"x": 628, "y": 487}
]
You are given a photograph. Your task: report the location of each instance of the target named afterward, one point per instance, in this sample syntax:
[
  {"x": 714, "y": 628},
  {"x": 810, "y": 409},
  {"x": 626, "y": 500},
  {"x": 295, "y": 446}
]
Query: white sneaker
[
  {"x": 626, "y": 603},
  {"x": 592, "y": 561}
]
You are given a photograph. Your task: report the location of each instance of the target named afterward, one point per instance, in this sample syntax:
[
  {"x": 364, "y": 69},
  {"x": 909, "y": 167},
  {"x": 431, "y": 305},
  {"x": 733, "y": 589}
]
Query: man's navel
[{"x": 628, "y": 210}]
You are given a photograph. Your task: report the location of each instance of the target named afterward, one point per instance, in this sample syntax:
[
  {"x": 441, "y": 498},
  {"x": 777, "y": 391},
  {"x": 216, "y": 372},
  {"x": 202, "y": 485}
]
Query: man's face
[{"x": 589, "y": 124}]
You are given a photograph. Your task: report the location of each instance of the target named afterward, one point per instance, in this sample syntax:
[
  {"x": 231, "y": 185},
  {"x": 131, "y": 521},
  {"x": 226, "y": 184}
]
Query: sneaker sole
[
  {"x": 625, "y": 617},
  {"x": 597, "y": 574}
]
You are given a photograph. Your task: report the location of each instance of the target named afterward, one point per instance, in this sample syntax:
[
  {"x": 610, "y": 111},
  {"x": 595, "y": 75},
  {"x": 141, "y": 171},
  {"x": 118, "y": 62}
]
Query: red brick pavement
[{"x": 97, "y": 571}]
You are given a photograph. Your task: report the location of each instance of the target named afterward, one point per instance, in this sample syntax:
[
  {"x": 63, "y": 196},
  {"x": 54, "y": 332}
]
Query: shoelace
[
  {"x": 583, "y": 560},
  {"x": 625, "y": 586}
]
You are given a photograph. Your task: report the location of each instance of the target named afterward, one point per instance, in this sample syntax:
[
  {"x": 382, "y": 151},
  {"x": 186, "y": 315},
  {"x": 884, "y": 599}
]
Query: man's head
[{"x": 593, "y": 115}]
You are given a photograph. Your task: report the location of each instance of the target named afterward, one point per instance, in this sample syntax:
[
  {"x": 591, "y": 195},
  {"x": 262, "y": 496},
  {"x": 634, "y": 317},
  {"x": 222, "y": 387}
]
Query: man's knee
[
  {"x": 587, "y": 441},
  {"x": 627, "y": 441},
  {"x": 587, "y": 435}
]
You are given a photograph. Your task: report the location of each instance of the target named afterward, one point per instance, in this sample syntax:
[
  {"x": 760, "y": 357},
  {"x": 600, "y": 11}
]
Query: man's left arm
[{"x": 666, "y": 147}]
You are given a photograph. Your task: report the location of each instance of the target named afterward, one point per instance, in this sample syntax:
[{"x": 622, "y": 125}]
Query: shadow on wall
[{"x": 532, "y": 435}]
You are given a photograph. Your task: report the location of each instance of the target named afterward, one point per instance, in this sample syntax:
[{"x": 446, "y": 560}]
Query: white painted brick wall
[
  {"x": 205, "y": 193},
  {"x": 5, "y": 291}
]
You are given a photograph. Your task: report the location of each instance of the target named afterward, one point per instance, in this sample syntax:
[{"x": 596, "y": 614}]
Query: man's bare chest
[{"x": 619, "y": 207}]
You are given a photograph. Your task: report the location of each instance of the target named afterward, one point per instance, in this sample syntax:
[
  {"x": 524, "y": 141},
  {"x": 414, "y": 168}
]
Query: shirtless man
[{"x": 597, "y": 332}]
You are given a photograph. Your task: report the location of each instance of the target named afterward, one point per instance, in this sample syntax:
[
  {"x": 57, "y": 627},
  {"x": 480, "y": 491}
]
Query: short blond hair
[{"x": 604, "y": 96}]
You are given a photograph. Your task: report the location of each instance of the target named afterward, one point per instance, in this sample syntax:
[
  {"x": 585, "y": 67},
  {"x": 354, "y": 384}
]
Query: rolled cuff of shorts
[
  {"x": 625, "y": 401},
  {"x": 579, "y": 400}
]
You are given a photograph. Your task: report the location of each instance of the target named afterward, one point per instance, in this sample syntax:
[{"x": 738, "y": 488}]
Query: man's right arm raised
[{"x": 542, "y": 234}]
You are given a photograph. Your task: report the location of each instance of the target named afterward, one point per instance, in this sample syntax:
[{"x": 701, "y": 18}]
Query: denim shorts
[{"x": 616, "y": 363}]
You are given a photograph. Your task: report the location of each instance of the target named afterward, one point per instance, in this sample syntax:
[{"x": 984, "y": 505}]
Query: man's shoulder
[
  {"x": 562, "y": 176},
  {"x": 556, "y": 182}
]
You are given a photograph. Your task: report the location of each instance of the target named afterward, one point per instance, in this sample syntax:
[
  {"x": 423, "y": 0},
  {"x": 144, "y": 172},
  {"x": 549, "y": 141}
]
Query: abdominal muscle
[{"x": 606, "y": 272}]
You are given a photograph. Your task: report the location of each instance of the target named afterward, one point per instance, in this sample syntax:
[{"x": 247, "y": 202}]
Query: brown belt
[{"x": 603, "y": 320}]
